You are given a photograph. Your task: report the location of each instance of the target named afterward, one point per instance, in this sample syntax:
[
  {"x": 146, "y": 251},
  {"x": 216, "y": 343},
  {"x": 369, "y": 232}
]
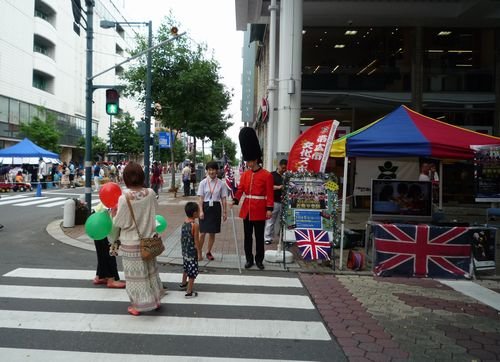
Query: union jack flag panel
[
  {"x": 422, "y": 251},
  {"x": 313, "y": 244}
]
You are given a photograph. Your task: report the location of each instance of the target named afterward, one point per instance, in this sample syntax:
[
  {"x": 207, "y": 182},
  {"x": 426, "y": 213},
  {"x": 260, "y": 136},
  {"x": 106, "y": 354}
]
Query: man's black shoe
[
  {"x": 248, "y": 265},
  {"x": 260, "y": 266}
]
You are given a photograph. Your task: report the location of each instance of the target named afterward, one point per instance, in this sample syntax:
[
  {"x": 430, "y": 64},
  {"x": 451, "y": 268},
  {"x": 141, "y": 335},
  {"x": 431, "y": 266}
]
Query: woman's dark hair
[
  {"x": 213, "y": 165},
  {"x": 133, "y": 175},
  {"x": 190, "y": 208}
]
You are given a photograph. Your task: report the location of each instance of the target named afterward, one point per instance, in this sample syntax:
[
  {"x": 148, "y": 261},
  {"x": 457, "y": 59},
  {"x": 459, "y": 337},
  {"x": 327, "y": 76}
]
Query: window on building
[
  {"x": 45, "y": 12},
  {"x": 4, "y": 109},
  {"x": 43, "y": 81},
  {"x": 43, "y": 46}
]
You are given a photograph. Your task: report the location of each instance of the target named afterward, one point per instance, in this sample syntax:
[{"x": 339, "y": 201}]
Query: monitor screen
[{"x": 401, "y": 200}]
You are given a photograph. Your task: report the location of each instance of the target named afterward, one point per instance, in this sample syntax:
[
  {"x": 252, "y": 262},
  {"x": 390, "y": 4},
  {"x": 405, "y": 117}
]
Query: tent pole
[
  {"x": 342, "y": 218},
  {"x": 441, "y": 185}
]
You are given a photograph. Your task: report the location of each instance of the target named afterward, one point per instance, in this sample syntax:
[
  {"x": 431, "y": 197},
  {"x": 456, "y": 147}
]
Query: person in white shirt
[
  {"x": 42, "y": 172},
  {"x": 212, "y": 194},
  {"x": 186, "y": 179},
  {"x": 424, "y": 172}
]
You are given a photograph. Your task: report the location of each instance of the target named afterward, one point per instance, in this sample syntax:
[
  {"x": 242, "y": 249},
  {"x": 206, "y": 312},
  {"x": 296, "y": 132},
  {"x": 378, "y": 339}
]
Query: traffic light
[{"x": 112, "y": 102}]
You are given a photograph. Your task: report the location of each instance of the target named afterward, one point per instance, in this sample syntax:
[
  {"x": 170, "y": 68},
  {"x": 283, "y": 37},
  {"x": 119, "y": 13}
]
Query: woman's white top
[{"x": 212, "y": 189}]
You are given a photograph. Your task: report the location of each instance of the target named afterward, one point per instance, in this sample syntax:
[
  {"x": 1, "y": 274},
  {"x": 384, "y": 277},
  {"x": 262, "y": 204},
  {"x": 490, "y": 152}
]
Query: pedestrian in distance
[
  {"x": 270, "y": 230},
  {"x": 212, "y": 194},
  {"x": 156, "y": 178},
  {"x": 190, "y": 249},
  {"x": 186, "y": 179},
  {"x": 257, "y": 186},
  {"x": 143, "y": 284}
]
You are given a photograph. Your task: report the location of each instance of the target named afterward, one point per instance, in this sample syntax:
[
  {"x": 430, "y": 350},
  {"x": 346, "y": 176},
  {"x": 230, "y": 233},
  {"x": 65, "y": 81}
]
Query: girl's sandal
[{"x": 133, "y": 311}]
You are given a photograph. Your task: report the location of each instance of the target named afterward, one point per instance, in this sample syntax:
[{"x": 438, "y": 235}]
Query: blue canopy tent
[{"x": 26, "y": 152}]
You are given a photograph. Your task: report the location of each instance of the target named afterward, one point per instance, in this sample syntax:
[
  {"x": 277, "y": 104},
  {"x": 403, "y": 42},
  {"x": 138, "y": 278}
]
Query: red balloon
[{"x": 109, "y": 194}]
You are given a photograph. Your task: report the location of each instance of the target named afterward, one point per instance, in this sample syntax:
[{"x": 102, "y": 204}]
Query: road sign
[{"x": 164, "y": 139}]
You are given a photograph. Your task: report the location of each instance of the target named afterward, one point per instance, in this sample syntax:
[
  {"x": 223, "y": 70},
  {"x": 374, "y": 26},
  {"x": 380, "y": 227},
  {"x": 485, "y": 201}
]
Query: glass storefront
[{"x": 14, "y": 112}]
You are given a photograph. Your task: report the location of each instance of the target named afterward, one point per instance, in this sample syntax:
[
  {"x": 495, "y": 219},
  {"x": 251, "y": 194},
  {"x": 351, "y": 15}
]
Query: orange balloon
[{"x": 109, "y": 194}]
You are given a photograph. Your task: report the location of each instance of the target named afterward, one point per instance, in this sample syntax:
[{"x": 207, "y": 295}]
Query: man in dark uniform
[
  {"x": 257, "y": 186},
  {"x": 278, "y": 186}
]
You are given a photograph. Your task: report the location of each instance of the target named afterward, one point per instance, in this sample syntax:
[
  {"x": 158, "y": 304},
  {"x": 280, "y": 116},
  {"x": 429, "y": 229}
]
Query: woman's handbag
[{"x": 150, "y": 247}]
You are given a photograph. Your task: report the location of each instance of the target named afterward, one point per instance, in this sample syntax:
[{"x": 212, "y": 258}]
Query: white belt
[{"x": 255, "y": 197}]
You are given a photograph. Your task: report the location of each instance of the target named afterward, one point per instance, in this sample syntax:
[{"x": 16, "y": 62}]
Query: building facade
[
  {"x": 43, "y": 65},
  {"x": 362, "y": 59}
]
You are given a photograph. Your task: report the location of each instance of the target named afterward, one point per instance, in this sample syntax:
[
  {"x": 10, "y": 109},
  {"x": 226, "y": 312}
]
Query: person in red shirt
[{"x": 257, "y": 186}]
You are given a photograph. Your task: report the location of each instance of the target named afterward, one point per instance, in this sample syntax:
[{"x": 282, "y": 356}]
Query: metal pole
[
  {"x": 147, "y": 120},
  {"x": 88, "y": 104}
]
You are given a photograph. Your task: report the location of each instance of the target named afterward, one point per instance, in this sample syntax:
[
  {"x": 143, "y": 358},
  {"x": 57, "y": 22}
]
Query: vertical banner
[{"x": 311, "y": 150}]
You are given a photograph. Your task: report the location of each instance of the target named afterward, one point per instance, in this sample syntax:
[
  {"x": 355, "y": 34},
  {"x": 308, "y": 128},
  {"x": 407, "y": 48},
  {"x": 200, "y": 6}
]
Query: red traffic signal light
[
  {"x": 174, "y": 31},
  {"x": 112, "y": 102}
]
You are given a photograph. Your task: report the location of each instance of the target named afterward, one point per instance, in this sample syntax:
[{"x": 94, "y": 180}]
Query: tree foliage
[
  {"x": 42, "y": 130},
  {"x": 124, "y": 136},
  {"x": 99, "y": 146},
  {"x": 224, "y": 144},
  {"x": 185, "y": 83}
]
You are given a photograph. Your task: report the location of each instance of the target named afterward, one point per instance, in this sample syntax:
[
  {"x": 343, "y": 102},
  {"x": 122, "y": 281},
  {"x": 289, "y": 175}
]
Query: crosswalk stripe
[
  {"x": 6, "y": 198},
  {"x": 41, "y": 355},
  {"x": 13, "y": 201},
  {"x": 161, "y": 325},
  {"x": 243, "y": 280},
  {"x": 35, "y": 202},
  {"x": 173, "y": 297},
  {"x": 57, "y": 203}
]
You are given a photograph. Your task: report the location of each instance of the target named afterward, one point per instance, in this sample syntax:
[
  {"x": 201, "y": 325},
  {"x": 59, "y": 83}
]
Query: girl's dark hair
[
  {"x": 190, "y": 208},
  {"x": 213, "y": 165},
  {"x": 133, "y": 175}
]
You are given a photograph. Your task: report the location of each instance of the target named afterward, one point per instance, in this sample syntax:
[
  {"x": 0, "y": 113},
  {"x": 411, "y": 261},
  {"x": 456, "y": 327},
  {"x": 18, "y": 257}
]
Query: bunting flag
[
  {"x": 229, "y": 177},
  {"x": 422, "y": 250},
  {"x": 313, "y": 244},
  {"x": 311, "y": 150}
]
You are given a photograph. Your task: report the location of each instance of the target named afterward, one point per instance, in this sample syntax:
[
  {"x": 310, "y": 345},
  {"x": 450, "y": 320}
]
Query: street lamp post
[
  {"x": 147, "y": 112},
  {"x": 88, "y": 104}
]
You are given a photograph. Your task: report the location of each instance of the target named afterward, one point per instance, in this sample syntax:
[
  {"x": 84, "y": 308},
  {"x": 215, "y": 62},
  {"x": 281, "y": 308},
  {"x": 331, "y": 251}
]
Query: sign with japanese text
[{"x": 311, "y": 150}]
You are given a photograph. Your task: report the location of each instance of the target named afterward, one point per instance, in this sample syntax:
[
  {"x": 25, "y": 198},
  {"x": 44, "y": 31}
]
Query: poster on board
[
  {"x": 310, "y": 203},
  {"x": 487, "y": 173}
]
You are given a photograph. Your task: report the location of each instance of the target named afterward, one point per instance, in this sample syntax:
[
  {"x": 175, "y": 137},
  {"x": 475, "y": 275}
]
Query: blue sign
[
  {"x": 305, "y": 219},
  {"x": 164, "y": 139}
]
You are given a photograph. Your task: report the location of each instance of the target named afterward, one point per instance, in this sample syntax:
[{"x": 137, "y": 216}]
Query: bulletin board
[{"x": 310, "y": 201}]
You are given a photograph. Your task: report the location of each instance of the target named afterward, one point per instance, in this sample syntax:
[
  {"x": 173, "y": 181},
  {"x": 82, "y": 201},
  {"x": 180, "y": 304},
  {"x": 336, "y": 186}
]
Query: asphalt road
[{"x": 49, "y": 309}]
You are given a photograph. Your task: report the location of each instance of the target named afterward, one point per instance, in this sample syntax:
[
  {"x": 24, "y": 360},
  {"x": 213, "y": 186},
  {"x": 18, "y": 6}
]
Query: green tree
[
  {"x": 185, "y": 82},
  {"x": 99, "y": 146},
  {"x": 42, "y": 130},
  {"x": 124, "y": 136},
  {"x": 224, "y": 144}
]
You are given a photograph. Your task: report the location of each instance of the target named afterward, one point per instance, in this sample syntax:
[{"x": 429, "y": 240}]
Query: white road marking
[
  {"x": 476, "y": 291},
  {"x": 173, "y": 297},
  {"x": 160, "y": 325},
  {"x": 42, "y": 355},
  {"x": 167, "y": 277},
  {"x": 29, "y": 203}
]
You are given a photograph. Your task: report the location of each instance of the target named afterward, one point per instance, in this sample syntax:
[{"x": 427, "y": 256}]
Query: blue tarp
[{"x": 26, "y": 152}]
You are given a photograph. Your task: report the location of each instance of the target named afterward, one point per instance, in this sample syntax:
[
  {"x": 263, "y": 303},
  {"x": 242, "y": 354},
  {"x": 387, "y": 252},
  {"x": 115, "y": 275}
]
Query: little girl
[{"x": 190, "y": 249}]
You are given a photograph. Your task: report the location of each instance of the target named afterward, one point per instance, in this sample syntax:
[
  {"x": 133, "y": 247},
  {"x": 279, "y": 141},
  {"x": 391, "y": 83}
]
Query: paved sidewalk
[{"x": 373, "y": 319}]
